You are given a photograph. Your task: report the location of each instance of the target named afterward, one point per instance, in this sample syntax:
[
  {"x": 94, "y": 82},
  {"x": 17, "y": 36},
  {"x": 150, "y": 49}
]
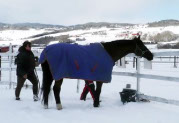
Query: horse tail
[{"x": 46, "y": 82}]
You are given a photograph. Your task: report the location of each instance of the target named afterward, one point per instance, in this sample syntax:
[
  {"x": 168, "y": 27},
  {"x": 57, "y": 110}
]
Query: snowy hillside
[
  {"x": 89, "y": 35},
  {"x": 16, "y": 37}
]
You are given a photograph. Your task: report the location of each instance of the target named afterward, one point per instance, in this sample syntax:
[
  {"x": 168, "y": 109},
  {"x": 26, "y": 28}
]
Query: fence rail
[
  {"x": 158, "y": 99},
  {"x": 148, "y": 76}
]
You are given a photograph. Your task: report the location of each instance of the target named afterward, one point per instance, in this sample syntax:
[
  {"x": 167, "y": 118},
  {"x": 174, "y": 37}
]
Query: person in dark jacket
[{"x": 25, "y": 70}]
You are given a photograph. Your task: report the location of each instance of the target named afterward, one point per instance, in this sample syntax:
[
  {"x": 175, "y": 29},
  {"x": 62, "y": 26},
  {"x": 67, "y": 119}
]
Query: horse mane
[
  {"x": 119, "y": 48},
  {"x": 119, "y": 43}
]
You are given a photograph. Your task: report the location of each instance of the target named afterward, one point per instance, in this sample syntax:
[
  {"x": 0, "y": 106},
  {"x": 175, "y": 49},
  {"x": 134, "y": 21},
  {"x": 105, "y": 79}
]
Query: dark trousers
[
  {"x": 20, "y": 82},
  {"x": 89, "y": 87}
]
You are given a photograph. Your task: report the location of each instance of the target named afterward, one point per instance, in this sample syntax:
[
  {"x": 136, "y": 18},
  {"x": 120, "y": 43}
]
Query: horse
[{"x": 53, "y": 66}]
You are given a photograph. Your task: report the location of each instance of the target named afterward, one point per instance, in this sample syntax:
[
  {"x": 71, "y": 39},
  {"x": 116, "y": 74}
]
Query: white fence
[
  {"x": 10, "y": 60},
  {"x": 137, "y": 74}
]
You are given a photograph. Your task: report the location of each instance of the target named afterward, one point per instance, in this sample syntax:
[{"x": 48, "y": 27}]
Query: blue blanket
[{"x": 88, "y": 62}]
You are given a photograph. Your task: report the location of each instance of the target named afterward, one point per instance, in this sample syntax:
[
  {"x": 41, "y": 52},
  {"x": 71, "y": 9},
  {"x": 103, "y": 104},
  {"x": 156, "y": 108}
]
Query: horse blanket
[{"x": 88, "y": 62}]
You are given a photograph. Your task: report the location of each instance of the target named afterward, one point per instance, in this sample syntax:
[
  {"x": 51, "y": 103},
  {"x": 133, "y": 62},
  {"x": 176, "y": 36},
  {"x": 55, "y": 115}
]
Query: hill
[
  {"x": 25, "y": 26},
  {"x": 99, "y": 25},
  {"x": 164, "y": 23}
]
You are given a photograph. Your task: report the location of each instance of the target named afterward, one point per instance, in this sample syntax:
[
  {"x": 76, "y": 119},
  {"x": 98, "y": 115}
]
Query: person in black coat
[{"x": 25, "y": 70}]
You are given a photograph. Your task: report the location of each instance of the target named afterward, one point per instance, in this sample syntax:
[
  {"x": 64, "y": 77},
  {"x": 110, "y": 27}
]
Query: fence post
[
  {"x": 0, "y": 65},
  {"x": 134, "y": 62},
  {"x": 121, "y": 63},
  {"x": 138, "y": 77},
  {"x": 10, "y": 65},
  {"x": 78, "y": 86},
  {"x": 147, "y": 64},
  {"x": 175, "y": 62}
]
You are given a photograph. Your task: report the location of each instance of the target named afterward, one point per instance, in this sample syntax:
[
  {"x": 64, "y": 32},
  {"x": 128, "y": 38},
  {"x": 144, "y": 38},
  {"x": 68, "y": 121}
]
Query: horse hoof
[
  {"x": 59, "y": 107},
  {"x": 96, "y": 104},
  {"x": 45, "y": 106}
]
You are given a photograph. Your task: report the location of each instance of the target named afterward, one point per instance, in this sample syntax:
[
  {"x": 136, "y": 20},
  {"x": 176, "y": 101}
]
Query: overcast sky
[{"x": 70, "y": 12}]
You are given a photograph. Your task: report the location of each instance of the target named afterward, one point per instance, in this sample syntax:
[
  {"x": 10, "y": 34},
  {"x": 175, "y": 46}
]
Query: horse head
[{"x": 141, "y": 50}]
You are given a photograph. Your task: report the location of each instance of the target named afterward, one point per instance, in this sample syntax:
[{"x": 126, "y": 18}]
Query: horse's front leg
[
  {"x": 56, "y": 90},
  {"x": 97, "y": 94}
]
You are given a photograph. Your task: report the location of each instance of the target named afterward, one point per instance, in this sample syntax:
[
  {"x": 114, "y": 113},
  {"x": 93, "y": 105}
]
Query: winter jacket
[{"x": 25, "y": 62}]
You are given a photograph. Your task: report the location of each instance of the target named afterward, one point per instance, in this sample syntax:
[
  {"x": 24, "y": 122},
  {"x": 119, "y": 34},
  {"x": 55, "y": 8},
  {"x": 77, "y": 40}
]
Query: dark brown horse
[{"x": 116, "y": 50}]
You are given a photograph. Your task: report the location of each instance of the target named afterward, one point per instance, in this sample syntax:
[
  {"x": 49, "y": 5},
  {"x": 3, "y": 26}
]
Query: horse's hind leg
[
  {"x": 46, "y": 84},
  {"x": 56, "y": 90},
  {"x": 97, "y": 94}
]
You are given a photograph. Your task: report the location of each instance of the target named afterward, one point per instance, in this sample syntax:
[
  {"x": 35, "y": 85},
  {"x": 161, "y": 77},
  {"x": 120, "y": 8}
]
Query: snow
[
  {"x": 76, "y": 111},
  {"x": 115, "y": 33},
  {"x": 18, "y": 36},
  {"x": 53, "y": 42},
  {"x": 111, "y": 109}
]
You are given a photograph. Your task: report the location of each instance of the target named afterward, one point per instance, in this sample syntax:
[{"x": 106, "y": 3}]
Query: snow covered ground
[
  {"x": 111, "y": 109},
  {"x": 76, "y": 111}
]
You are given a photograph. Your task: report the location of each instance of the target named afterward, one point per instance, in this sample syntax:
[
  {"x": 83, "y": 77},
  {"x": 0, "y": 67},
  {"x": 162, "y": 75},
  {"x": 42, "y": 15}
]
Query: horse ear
[
  {"x": 135, "y": 38},
  {"x": 138, "y": 41}
]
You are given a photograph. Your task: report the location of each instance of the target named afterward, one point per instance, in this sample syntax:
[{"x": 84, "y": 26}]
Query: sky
[{"x": 71, "y": 12}]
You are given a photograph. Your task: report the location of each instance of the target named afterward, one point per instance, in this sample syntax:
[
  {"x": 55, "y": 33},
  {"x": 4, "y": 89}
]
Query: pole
[
  {"x": 78, "y": 86},
  {"x": 138, "y": 77},
  {"x": 10, "y": 65},
  {"x": 175, "y": 62},
  {"x": 133, "y": 62},
  {"x": 120, "y": 61},
  {"x": 0, "y": 66}
]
